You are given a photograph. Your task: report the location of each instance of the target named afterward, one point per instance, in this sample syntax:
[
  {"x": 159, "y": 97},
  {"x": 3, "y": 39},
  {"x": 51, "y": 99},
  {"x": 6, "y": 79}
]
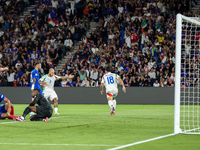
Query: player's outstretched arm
[
  {"x": 101, "y": 87},
  {"x": 66, "y": 77},
  {"x": 9, "y": 104},
  {"x": 122, "y": 83},
  {"x": 2, "y": 69}
]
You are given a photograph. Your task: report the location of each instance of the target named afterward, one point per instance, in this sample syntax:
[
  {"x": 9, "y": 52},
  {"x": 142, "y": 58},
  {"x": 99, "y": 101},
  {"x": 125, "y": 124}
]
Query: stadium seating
[{"x": 130, "y": 37}]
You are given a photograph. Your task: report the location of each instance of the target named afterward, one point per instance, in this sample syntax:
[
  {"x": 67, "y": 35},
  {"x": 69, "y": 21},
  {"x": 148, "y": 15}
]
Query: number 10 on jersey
[{"x": 110, "y": 80}]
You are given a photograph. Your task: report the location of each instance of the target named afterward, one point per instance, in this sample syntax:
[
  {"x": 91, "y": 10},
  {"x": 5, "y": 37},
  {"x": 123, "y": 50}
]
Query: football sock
[
  {"x": 110, "y": 103},
  {"x": 26, "y": 111},
  {"x": 12, "y": 116},
  {"x": 114, "y": 104},
  {"x": 56, "y": 110},
  {"x": 12, "y": 111}
]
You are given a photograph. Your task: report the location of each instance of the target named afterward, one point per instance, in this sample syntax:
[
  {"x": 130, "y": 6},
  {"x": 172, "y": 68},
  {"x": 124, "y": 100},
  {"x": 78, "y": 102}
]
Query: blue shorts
[{"x": 2, "y": 110}]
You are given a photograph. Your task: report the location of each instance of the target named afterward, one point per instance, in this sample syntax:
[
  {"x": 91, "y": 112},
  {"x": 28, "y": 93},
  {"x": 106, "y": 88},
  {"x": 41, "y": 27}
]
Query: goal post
[{"x": 187, "y": 73}]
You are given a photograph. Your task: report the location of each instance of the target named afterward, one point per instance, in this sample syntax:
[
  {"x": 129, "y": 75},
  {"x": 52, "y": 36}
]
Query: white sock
[
  {"x": 110, "y": 103},
  {"x": 114, "y": 103},
  {"x": 56, "y": 110}
]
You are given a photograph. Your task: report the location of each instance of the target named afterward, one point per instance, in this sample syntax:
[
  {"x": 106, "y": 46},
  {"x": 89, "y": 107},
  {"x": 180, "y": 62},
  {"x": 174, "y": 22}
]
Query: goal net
[{"x": 187, "y": 83}]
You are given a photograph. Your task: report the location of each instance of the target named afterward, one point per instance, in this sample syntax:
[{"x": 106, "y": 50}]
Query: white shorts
[
  {"x": 112, "y": 93},
  {"x": 50, "y": 95}
]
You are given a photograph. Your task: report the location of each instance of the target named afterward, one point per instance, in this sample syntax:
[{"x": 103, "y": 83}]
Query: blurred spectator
[
  {"x": 85, "y": 83},
  {"x": 156, "y": 84},
  {"x": 71, "y": 83}
]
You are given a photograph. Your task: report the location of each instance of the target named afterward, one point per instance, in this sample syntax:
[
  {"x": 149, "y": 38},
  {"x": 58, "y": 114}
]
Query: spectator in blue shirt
[
  {"x": 53, "y": 14},
  {"x": 19, "y": 72},
  {"x": 71, "y": 83}
]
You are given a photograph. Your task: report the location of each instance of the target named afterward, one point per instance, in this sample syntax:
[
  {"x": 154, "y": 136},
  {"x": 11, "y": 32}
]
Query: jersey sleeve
[
  {"x": 36, "y": 98},
  {"x": 117, "y": 76},
  {"x": 43, "y": 78},
  {"x": 2, "y": 97},
  {"x": 56, "y": 77}
]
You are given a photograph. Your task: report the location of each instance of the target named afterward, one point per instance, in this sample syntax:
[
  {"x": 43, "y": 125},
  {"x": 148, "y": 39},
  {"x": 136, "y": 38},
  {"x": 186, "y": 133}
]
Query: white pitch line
[
  {"x": 28, "y": 120},
  {"x": 140, "y": 142},
  {"x": 48, "y": 144},
  {"x": 8, "y": 122}
]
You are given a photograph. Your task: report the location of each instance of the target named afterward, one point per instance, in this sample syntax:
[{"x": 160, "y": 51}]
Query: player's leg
[
  {"x": 54, "y": 99},
  {"x": 36, "y": 118},
  {"x": 4, "y": 114},
  {"x": 110, "y": 101},
  {"x": 12, "y": 109},
  {"x": 43, "y": 114},
  {"x": 115, "y": 93},
  {"x": 32, "y": 99},
  {"x": 33, "y": 108},
  {"x": 28, "y": 110}
]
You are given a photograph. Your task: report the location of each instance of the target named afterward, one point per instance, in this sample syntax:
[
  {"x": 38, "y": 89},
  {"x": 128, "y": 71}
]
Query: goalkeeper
[{"x": 43, "y": 110}]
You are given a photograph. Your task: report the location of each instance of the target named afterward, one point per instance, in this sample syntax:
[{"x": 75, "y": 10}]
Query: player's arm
[
  {"x": 9, "y": 104},
  {"x": 66, "y": 77},
  {"x": 41, "y": 82},
  {"x": 2, "y": 69},
  {"x": 101, "y": 86},
  {"x": 122, "y": 83},
  {"x": 33, "y": 85},
  {"x": 36, "y": 98}
]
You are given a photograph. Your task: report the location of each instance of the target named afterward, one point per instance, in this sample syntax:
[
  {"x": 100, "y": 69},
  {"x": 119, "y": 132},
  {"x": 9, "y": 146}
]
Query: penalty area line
[
  {"x": 48, "y": 144},
  {"x": 140, "y": 142},
  {"x": 29, "y": 120}
]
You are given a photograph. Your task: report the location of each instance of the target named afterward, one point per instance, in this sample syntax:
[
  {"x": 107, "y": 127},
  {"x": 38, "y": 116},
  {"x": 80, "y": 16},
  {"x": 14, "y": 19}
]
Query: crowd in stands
[{"x": 136, "y": 39}]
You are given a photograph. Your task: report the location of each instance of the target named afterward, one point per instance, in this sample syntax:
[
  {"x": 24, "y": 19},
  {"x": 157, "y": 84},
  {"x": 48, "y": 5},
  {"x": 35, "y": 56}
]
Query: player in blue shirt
[
  {"x": 35, "y": 81},
  {"x": 7, "y": 110},
  {"x": 35, "y": 78}
]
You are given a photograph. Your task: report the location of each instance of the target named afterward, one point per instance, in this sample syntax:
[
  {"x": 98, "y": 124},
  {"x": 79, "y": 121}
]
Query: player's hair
[
  {"x": 37, "y": 90},
  {"x": 107, "y": 69},
  {"x": 36, "y": 63},
  {"x": 51, "y": 69}
]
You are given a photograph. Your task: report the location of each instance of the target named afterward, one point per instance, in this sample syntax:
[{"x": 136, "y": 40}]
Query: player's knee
[{"x": 55, "y": 100}]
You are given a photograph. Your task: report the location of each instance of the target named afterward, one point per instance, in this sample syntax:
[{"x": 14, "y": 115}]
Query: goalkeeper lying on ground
[{"x": 43, "y": 110}]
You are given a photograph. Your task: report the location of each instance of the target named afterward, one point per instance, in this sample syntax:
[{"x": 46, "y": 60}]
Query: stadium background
[
  {"x": 163, "y": 96},
  {"x": 77, "y": 37}
]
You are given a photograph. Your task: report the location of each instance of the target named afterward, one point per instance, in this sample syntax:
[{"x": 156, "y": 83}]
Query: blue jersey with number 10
[{"x": 35, "y": 74}]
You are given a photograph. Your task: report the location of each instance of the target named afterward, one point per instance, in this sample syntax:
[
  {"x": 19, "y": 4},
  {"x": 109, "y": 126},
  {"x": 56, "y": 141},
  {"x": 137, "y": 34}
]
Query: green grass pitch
[{"x": 91, "y": 127}]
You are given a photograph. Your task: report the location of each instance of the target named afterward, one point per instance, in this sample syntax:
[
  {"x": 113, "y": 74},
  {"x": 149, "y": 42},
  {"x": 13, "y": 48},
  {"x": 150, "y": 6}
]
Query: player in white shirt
[
  {"x": 47, "y": 82},
  {"x": 110, "y": 81}
]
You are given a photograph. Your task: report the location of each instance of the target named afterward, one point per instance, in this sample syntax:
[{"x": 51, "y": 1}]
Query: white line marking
[
  {"x": 48, "y": 144},
  {"x": 60, "y": 117},
  {"x": 28, "y": 120},
  {"x": 8, "y": 122},
  {"x": 140, "y": 142}
]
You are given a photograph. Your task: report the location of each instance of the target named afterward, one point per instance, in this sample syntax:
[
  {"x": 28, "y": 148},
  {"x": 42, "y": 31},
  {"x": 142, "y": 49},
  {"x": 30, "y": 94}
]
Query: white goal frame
[{"x": 177, "y": 94}]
